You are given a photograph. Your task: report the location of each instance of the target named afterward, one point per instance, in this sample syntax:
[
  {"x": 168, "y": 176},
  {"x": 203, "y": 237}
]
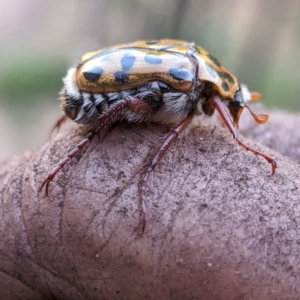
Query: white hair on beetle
[
  {"x": 71, "y": 84},
  {"x": 246, "y": 95}
]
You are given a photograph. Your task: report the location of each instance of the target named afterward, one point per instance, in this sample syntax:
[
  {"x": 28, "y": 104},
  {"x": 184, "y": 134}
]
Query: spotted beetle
[{"x": 164, "y": 81}]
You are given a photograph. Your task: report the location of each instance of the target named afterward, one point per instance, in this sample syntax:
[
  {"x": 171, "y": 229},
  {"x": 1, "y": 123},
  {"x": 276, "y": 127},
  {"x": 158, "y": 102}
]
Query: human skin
[{"x": 219, "y": 226}]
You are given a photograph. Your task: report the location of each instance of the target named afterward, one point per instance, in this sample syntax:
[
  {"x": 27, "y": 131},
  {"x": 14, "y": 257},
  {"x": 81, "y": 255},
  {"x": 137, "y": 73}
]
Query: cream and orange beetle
[{"x": 165, "y": 81}]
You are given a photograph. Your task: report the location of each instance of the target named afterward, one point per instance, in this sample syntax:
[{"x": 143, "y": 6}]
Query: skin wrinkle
[
  {"x": 110, "y": 208},
  {"x": 17, "y": 282},
  {"x": 174, "y": 212},
  {"x": 44, "y": 269},
  {"x": 74, "y": 286},
  {"x": 6, "y": 177},
  {"x": 112, "y": 204},
  {"x": 229, "y": 239},
  {"x": 119, "y": 194},
  {"x": 33, "y": 253},
  {"x": 108, "y": 211},
  {"x": 69, "y": 281},
  {"x": 19, "y": 193},
  {"x": 62, "y": 247},
  {"x": 90, "y": 223},
  {"x": 38, "y": 263},
  {"x": 60, "y": 230},
  {"x": 213, "y": 174},
  {"x": 62, "y": 241}
]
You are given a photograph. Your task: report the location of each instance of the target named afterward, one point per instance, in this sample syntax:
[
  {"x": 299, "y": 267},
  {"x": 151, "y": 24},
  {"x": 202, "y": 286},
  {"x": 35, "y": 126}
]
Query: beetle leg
[
  {"x": 63, "y": 162},
  {"x": 58, "y": 124},
  {"x": 173, "y": 134},
  {"x": 108, "y": 118},
  {"x": 224, "y": 115}
]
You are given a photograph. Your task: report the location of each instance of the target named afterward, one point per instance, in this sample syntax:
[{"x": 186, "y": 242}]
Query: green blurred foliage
[
  {"x": 24, "y": 78},
  {"x": 256, "y": 40}
]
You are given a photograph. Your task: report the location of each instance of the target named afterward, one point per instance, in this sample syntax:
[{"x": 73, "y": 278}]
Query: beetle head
[{"x": 241, "y": 97}]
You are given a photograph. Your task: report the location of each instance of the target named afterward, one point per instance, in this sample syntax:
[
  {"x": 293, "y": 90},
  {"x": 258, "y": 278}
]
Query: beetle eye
[{"x": 238, "y": 97}]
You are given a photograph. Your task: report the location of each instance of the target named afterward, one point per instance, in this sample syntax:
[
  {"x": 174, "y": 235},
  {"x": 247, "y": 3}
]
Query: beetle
[{"x": 165, "y": 81}]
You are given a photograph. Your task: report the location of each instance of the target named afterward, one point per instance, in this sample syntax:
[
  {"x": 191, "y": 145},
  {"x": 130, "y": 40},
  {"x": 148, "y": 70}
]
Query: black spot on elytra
[
  {"x": 152, "y": 59},
  {"x": 127, "y": 61},
  {"x": 180, "y": 73},
  {"x": 214, "y": 60},
  {"x": 93, "y": 74},
  {"x": 228, "y": 77},
  {"x": 210, "y": 69},
  {"x": 225, "y": 86},
  {"x": 121, "y": 76}
]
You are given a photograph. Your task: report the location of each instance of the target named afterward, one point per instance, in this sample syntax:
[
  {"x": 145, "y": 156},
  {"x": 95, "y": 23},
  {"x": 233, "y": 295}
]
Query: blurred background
[{"x": 259, "y": 41}]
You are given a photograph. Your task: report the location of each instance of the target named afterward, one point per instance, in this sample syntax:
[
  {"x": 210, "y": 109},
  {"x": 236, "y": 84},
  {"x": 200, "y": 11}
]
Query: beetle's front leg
[
  {"x": 225, "y": 117},
  {"x": 58, "y": 123},
  {"x": 112, "y": 115}
]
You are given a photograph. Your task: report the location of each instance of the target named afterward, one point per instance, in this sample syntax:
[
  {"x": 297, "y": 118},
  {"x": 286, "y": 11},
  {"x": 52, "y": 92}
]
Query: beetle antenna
[
  {"x": 259, "y": 119},
  {"x": 255, "y": 96}
]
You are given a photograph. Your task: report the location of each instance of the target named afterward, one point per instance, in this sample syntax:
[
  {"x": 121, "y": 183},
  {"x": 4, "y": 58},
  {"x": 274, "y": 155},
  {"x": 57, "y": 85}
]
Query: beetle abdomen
[{"x": 167, "y": 105}]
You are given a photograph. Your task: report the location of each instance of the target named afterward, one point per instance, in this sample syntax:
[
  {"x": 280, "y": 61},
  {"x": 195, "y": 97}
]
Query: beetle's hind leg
[
  {"x": 173, "y": 134},
  {"x": 113, "y": 114}
]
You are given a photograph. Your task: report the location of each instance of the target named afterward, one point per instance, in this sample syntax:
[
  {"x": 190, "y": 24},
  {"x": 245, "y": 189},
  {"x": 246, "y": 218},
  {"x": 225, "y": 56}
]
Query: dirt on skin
[{"x": 219, "y": 226}]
